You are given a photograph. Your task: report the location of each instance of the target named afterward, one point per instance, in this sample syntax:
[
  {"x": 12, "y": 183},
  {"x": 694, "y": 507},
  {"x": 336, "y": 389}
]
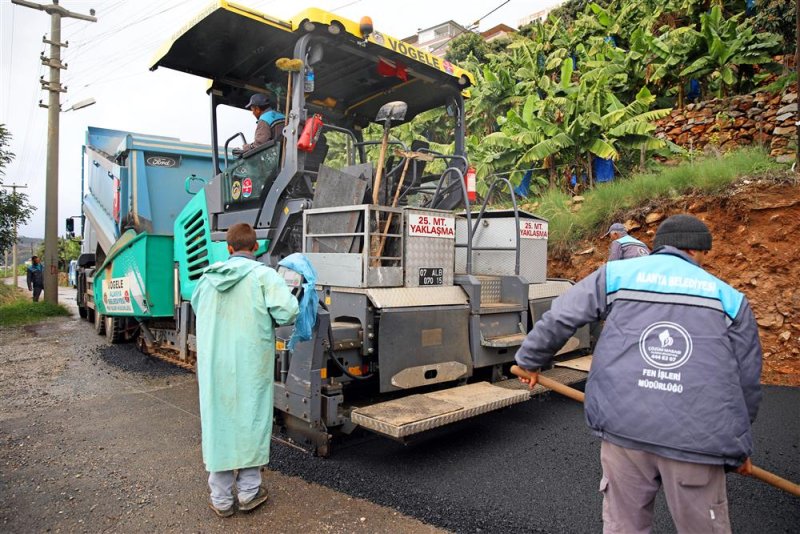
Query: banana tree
[
  {"x": 573, "y": 122},
  {"x": 669, "y": 54},
  {"x": 729, "y": 44},
  {"x": 494, "y": 92}
]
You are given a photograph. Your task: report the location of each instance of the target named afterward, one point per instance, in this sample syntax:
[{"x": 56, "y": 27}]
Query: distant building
[
  {"x": 540, "y": 15},
  {"x": 434, "y": 39},
  {"x": 497, "y": 32}
]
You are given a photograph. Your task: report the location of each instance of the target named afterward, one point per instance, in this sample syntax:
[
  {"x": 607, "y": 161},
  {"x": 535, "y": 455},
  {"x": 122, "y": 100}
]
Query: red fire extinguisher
[
  {"x": 469, "y": 181},
  {"x": 310, "y": 136}
]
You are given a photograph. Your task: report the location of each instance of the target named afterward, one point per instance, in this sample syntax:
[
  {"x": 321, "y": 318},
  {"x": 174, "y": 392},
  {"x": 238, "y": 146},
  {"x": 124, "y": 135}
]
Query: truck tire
[
  {"x": 115, "y": 329},
  {"x": 83, "y": 311},
  {"x": 99, "y": 323}
]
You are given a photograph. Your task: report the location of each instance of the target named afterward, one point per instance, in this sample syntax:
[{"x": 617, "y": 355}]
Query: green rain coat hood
[{"x": 224, "y": 275}]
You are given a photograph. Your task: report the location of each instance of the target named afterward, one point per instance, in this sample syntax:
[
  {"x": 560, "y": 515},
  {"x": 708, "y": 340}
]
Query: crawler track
[{"x": 164, "y": 355}]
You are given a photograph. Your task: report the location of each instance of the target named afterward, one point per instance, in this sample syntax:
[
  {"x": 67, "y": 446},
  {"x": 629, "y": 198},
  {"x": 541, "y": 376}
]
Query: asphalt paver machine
[{"x": 423, "y": 298}]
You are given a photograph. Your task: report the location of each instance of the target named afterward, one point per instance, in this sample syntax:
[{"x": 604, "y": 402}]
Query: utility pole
[
  {"x": 14, "y": 188},
  {"x": 53, "y": 85}
]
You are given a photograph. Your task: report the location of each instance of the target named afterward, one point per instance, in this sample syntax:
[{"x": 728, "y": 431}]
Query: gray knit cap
[{"x": 684, "y": 232}]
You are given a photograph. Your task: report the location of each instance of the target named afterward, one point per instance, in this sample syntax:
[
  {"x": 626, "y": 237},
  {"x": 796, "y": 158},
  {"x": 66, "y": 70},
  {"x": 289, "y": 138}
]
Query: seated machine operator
[{"x": 267, "y": 117}]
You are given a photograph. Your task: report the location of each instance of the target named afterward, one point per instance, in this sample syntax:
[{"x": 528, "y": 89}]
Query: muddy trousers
[
  {"x": 221, "y": 483},
  {"x": 695, "y": 493}
]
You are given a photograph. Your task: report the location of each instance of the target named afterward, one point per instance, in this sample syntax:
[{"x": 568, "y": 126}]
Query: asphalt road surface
[{"x": 536, "y": 468}]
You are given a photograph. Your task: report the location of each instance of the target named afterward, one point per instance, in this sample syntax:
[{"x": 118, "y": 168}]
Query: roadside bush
[
  {"x": 601, "y": 205},
  {"x": 16, "y": 308}
]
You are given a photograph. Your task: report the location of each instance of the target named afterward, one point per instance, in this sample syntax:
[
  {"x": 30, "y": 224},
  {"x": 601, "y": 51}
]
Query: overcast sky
[{"x": 108, "y": 61}]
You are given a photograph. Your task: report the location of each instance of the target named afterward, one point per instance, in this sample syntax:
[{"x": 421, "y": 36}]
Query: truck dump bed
[
  {"x": 135, "y": 187},
  {"x": 137, "y": 181}
]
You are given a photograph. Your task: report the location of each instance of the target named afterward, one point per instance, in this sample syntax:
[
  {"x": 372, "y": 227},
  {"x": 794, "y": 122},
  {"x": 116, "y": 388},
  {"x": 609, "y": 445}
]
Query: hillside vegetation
[
  {"x": 573, "y": 219},
  {"x": 591, "y": 81}
]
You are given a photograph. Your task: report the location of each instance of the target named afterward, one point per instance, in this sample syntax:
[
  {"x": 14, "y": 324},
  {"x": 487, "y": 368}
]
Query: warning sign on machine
[
  {"x": 430, "y": 226},
  {"x": 533, "y": 229}
]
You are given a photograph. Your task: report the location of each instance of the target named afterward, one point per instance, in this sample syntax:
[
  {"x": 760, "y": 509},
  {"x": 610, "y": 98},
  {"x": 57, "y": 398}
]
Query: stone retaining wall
[{"x": 759, "y": 119}]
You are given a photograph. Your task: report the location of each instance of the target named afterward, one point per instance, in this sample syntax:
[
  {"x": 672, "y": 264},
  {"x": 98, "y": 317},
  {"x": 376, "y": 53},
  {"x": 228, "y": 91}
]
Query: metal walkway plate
[
  {"x": 584, "y": 363},
  {"x": 411, "y": 415},
  {"x": 559, "y": 374},
  {"x": 510, "y": 340}
]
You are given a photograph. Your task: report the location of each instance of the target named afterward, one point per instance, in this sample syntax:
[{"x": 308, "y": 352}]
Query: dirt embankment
[{"x": 756, "y": 229}]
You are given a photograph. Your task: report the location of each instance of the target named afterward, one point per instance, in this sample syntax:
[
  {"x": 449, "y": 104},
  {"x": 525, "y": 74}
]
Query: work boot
[
  {"x": 259, "y": 499},
  {"x": 224, "y": 512}
]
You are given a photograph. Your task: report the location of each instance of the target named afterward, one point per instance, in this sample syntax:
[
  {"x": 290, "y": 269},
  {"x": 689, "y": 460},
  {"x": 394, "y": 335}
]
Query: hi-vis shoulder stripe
[{"x": 669, "y": 298}]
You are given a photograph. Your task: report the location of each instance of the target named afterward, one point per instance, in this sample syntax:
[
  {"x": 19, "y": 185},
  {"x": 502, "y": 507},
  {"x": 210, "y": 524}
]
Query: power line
[
  {"x": 110, "y": 64},
  {"x": 469, "y": 28},
  {"x": 26, "y": 159},
  {"x": 335, "y": 9},
  {"x": 113, "y": 32},
  {"x": 10, "y": 62}
]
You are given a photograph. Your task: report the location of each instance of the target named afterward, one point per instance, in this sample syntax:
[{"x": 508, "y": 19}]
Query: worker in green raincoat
[{"x": 237, "y": 304}]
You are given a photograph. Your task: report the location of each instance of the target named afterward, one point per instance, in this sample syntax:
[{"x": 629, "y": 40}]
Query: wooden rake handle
[
  {"x": 558, "y": 387},
  {"x": 774, "y": 480},
  {"x": 765, "y": 476}
]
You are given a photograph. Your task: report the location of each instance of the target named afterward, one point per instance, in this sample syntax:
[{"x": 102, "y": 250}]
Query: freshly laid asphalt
[{"x": 535, "y": 468}]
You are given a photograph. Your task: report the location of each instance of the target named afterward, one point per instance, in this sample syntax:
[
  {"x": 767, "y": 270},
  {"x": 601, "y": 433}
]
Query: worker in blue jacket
[
  {"x": 674, "y": 383},
  {"x": 35, "y": 277},
  {"x": 267, "y": 119},
  {"x": 624, "y": 246}
]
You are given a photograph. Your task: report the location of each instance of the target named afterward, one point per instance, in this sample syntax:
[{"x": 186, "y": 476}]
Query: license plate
[{"x": 431, "y": 276}]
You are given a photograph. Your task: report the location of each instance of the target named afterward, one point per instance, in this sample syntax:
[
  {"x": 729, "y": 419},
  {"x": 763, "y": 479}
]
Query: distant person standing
[
  {"x": 237, "y": 303},
  {"x": 35, "y": 277},
  {"x": 624, "y": 246}
]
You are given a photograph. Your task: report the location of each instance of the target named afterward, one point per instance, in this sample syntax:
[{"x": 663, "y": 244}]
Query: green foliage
[
  {"x": 15, "y": 210},
  {"x": 465, "y": 45},
  {"x": 777, "y": 17},
  {"x": 8, "y": 294},
  {"x": 607, "y": 203},
  {"x": 6, "y": 156},
  {"x": 568, "y": 11},
  {"x": 592, "y": 80},
  {"x": 726, "y": 45},
  {"x": 68, "y": 249},
  {"x": 71, "y": 249},
  {"x": 16, "y": 308}
]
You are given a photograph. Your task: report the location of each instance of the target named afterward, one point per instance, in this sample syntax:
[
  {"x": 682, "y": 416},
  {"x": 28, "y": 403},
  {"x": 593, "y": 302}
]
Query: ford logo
[{"x": 161, "y": 161}]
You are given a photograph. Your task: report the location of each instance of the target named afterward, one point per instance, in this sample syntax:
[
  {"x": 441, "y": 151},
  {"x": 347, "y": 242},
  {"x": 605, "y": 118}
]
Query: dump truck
[
  {"x": 424, "y": 297},
  {"x": 134, "y": 187}
]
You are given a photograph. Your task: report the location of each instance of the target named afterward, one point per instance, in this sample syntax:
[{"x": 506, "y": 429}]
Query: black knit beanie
[{"x": 684, "y": 232}]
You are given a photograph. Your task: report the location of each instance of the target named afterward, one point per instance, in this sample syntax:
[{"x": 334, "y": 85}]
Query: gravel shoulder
[{"x": 96, "y": 438}]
